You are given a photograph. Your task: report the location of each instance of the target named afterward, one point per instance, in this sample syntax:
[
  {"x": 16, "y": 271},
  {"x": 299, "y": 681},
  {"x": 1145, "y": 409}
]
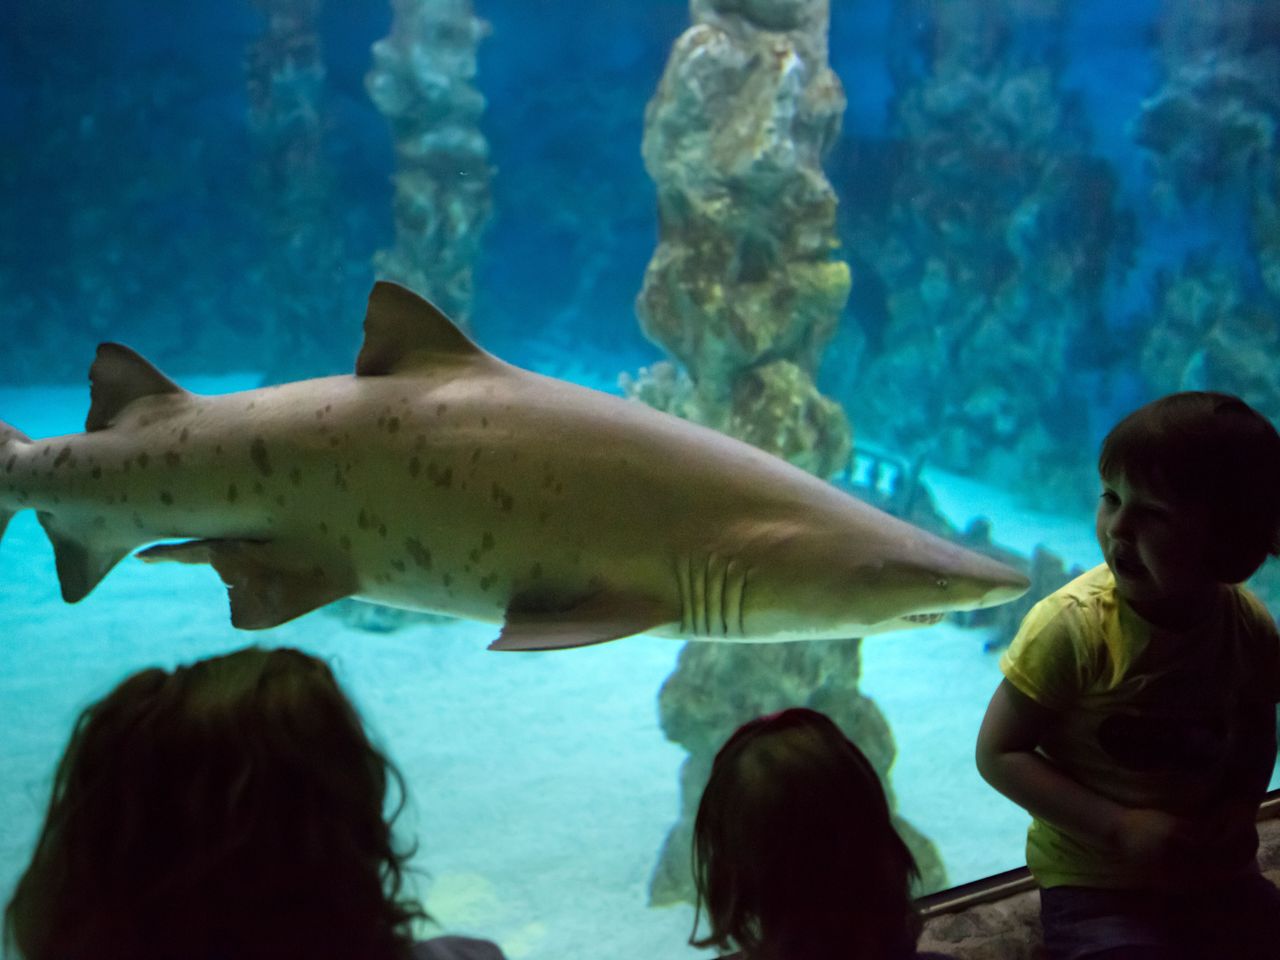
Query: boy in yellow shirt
[{"x": 1136, "y": 721}]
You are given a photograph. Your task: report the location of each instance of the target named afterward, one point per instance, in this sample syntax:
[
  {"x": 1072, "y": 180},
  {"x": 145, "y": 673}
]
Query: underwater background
[{"x": 930, "y": 249}]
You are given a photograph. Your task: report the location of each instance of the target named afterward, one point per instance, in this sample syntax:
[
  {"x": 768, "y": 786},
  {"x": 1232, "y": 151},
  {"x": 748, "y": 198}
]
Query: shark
[{"x": 440, "y": 478}]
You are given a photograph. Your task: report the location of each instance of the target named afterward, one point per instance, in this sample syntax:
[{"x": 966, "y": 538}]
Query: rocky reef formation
[
  {"x": 294, "y": 185},
  {"x": 717, "y": 687},
  {"x": 421, "y": 82},
  {"x": 743, "y": 290},
  {"x": 1211, "y": 129},
  {"x": 982, "y": 234}
]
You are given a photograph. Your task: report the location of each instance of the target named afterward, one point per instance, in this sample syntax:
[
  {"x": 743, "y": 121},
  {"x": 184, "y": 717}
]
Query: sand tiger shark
[{"x": 441, "y": 478}]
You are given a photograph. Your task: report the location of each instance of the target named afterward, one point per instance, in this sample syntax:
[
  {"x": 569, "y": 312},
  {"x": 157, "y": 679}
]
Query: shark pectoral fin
[
  {"x": 596, "y": 619},
  {"x": 268, "y": 583},
  {"x": 82, "y": 561}
]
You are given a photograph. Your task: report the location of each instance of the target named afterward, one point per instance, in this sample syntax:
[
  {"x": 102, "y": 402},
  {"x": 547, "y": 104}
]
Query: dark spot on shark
[
  {"x": 418, "y": 553},
  {"x": 544, "y": 516},
  {"x": 474, "y": 554},
  {"x": 232, "y": 493},
  {"x": 258, "y": 488},
  {"x": 166, "y": 498},
  {"x": 344, "y": 542},
  {"x": 137, "y": 520},
  {"x": 475, "y": 455},
  {"x": 441, "y": 409},
  {"x": 258, "y": 454},
  {"x": 44, "y": 452},
  {"x": 447, "y": 579},
  {"x": 319, "y": 414},
  {"x": 12, "y": 461},
  {"x": 96, "y": 473},
  {"x": 535, "y": 572},
  {"x": 381, "y": 422},
  {"x": 99, "y": 521},
  {"x": 217, "y": 449},
  {"x": 399, "y": 565},
  {"x": 124, "y": 497},
  {"x": 295, "y": 477},
  {"x": 486, "y": 542},
  {"x": 441, "y": 478},
  {"x": 415, "y": 465},
  {"x": 488, "y": 581},
  {"x": 382, "y": 529},
  {"x": 559, "y": 488},
  {"x": 362, "y": 520},
  {"x": 143, "y": 459},
  {"x": 172, "y": 459},
  {"x": 124, "y": 467},
  {"x": 324, "y": 528},
  {"x": 484, "y": 423},
  {"x": 393, "y": 425},
  {"x": 63, "y": 456},
  {"x": 328, "y": 407},
  {"x": 184, "y": 435},
  {"x": 280, "y": 499}
]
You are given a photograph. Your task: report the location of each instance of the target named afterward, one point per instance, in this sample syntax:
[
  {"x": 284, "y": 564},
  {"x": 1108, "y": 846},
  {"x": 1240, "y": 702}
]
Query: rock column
[
  {"x": 743, "y": 289},
  {"x": 421, "y": 81}
]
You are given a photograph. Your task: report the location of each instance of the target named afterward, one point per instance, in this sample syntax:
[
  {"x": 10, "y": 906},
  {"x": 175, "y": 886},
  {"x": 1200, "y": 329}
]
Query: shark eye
[{"x": 942, "y": 583}]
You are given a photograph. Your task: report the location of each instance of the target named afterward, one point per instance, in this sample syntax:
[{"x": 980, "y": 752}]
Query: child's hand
[{"x": 1156, "y": 838}]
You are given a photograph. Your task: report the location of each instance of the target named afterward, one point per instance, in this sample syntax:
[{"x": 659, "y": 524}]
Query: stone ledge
[{"x": 1009, "y": 928}]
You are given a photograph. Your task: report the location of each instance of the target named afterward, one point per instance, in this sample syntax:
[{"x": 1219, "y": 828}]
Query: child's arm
[{"x": 1008, "y": 760}]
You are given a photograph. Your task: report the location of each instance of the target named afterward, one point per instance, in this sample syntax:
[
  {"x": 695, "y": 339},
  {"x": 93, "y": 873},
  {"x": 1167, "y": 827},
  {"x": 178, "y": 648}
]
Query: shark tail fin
[
  {"x": 8, "y": 437},
  {"x": 82, "y": 560}
]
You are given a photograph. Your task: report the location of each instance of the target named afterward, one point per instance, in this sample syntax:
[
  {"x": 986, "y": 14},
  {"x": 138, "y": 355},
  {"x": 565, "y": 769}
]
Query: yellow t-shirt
[{"x": 1146, "y": 717}]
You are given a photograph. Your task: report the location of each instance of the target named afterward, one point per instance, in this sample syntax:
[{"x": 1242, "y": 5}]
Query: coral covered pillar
[
  {"x": 743, "y": 290},
  {"x": 422, "y": 82}
]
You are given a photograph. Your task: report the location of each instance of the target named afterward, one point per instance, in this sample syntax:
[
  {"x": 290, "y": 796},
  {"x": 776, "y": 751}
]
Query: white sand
[{"x": 542, "y": 786}]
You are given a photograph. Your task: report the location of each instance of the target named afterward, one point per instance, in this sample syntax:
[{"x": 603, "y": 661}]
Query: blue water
[{"x": 542, "y": 786}]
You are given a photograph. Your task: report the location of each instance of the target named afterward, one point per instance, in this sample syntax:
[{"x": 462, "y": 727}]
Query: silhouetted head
[
  {"x": 229, "y": 809},
  {"x": 1211, "y": 453},
  {"x": 794, "y": 852}
]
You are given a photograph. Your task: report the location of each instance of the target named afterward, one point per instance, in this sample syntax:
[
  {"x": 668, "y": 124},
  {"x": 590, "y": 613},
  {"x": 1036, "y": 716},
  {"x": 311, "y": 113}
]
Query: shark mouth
[{"x": 923, "y": 618}]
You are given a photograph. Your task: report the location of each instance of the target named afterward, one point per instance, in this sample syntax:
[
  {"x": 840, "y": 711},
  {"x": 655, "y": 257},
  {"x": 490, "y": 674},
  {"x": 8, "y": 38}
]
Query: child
[
  {"x": 230, "y": 808},
  {"x": 1136, "y": 721},
  {"x": 794, "y": 853}
]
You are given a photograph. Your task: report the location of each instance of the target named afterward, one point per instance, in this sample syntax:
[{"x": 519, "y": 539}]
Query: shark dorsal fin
[
  {"x": 118, "y": 377},
  {"x": 403, "y": 331}
]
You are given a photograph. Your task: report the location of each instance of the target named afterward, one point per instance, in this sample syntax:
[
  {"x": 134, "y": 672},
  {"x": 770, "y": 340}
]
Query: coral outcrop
[
  {"x": 1212, "y": 128},
  {"x": 421, "y": 81},
  {"x": 717, "y": 687},
  {"x": 984, "y": 230},
  {"x": 743, "y": 290},
  {"x": 294, "y": 184}
]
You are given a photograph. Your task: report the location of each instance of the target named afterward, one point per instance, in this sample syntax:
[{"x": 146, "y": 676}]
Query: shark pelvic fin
[
  {"x": 402, "y": 331},
  {"x": 82, "y": 561},
  {"x": 119, "y": 376},
  {"x": 267, "y": 583},
  {"x": 596, "y": 619}
]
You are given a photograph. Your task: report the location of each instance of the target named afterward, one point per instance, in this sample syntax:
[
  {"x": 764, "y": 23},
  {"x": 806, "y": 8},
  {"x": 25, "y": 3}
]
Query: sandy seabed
[{"x": 541, "y": 786}]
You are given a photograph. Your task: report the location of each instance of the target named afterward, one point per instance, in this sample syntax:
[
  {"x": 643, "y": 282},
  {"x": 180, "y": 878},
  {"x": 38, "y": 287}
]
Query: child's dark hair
[
  {"x": 231, "y": 808},
  {"x": 794, "y": 851},
  {"x": 1210, "y": 452}
]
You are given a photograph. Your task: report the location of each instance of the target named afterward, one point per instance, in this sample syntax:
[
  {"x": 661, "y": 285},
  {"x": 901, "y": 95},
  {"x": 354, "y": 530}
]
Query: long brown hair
[
  {"x": 233, "y": 808},
  {"x": 794, "y": 852}
]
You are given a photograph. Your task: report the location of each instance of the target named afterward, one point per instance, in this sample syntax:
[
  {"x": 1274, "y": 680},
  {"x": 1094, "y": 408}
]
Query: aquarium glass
[{"x": 929, "y": 250}]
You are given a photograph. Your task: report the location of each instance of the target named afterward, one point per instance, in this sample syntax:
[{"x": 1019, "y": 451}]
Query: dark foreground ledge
[{"x": 1000, "y": 916}]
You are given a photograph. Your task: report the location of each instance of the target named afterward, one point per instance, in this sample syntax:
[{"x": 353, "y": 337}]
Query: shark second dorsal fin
[
  {"x": 118, "y": 377},
  {"x": 402, "y": 331}
]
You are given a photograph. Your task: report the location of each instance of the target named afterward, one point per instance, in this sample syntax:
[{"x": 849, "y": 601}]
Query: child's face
[{"x": 1156, "y": 550}]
